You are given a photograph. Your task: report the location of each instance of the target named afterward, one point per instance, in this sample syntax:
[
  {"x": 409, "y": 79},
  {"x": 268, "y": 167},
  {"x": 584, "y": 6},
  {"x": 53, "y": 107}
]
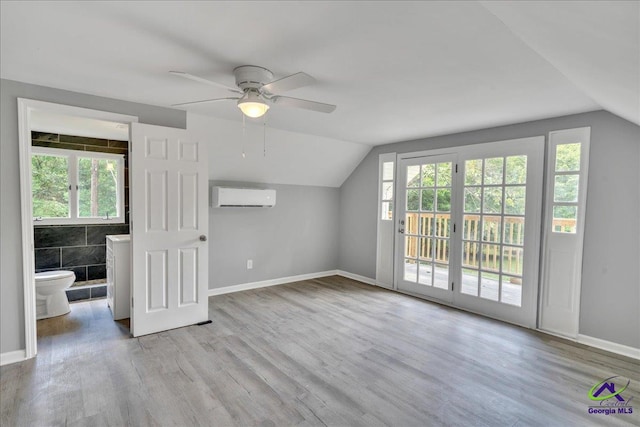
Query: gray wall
[
  {"x": 610, "y": 302},
  {"x": 298, "y": 235},
  {"x": 11, "y": 287}
]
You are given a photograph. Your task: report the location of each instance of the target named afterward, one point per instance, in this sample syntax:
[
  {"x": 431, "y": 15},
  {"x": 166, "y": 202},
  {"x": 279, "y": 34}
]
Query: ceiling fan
[{"x": 257, "y": 91}]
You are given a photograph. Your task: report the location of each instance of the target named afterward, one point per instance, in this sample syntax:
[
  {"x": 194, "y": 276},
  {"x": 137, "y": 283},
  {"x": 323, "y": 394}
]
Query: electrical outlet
[{"x": 249, "y": 264}]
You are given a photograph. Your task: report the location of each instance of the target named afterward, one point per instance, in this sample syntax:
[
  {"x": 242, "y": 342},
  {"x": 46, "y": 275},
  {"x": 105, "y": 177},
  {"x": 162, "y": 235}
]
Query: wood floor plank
[{"x": 321, "y": 352}]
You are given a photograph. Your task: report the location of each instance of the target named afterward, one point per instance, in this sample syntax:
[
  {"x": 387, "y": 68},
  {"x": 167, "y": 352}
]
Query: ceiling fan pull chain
[
  {"x": 264, "y": 136},
  {"x": 244, "y": 136}
]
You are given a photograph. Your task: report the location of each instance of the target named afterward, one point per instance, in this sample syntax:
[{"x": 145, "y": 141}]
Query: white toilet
[{"x": 51, "y": 298}]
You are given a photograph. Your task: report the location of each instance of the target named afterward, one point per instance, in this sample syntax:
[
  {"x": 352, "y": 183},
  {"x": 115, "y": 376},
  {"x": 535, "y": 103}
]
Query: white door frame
[{"x": 25, "y": 108}]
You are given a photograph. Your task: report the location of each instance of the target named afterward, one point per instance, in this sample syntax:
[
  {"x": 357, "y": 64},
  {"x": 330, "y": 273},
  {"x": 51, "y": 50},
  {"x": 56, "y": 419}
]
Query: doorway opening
[{"x": 73, "y": 164}]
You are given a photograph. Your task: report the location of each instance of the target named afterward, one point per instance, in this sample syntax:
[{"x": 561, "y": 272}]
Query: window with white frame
[
  {"x": 76, "y": 187},
  {"x": 386, "y": 191}
]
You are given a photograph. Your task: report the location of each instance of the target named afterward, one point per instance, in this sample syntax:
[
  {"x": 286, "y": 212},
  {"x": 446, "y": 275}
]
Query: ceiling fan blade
[
  {"x": 291, "y": 82},
  {"x": 205, "y": 81},
  {"x": 303, "y": 103},
  {"x": 204, "y": 101}
]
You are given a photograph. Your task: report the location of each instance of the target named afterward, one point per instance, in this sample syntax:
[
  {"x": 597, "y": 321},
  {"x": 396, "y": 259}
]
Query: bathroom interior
[{"x": 80, "y": 197}]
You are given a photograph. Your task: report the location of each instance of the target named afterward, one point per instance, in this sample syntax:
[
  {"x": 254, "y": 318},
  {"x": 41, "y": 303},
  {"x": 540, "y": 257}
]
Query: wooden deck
[{"x": 329, "y": 351}]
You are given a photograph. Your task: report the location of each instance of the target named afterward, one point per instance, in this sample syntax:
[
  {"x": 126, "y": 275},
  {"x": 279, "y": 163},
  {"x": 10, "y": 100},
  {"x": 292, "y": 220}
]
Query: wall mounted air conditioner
[{"x": 225, "y": 197}]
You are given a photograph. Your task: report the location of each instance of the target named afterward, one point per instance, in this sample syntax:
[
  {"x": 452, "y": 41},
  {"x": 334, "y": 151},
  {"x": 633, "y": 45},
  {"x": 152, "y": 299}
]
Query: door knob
[
  {"x": 203, "y": 238},
  {"x": 401, "y": 230}
]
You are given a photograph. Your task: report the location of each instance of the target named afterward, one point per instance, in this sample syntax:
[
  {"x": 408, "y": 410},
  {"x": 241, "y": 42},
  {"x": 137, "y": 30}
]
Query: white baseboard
[
  {"x": 357, "y": 277},
  {"x": 271, "y": 282},
  {"x": 613, "y": 347},
  {"x": 12, "y": 357}
]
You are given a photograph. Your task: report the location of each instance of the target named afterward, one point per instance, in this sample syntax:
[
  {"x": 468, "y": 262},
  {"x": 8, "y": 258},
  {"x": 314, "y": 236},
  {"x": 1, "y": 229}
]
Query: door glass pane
[
  {"x": 387, "y": 190},
  {"x": 513, "y": 230},
  {"x": 511, "y": 292},
  {"x": 565, "y": 219},
  {"x": 491, "y": 257},
  {"x": 470, "y": 255},
  {"x": 565, "y": 188},
  {"x": 426, "y": 225},
  {"x": 410, "y": 247},
  {"x": 410, "y": 270},
  {"x": 427, "y": 200},
  {"x": 411, "y": 223},
  {"x": 426, "y": 248},
  {"x": 491, "y": 229},
  {"x": 444, "y": 200},
  {"x": 492, "y": 200},
  {"x": 469, "y": 282},
  {"x": 489, "y": 285},
  {"x": 425, "y": 274},
  {"x": 516, "y": 170},
  {"x": 515, "y": 200},
  {"x": 443, "y": 225},
  {"x": 472, "y": 199},
  {"x": 428, "y": 175},
  {"x": 473, "y": 172},
  {"x": 387, "y": 171},
  {"x": 512, "y": 260},
  {"x": 441, "y": 276},
  {"x": 98, "y": 192},
  {"x": 442, "y": 250},
  {"x": 444, "y": 174},
  {"x": 50, "y": 186},
  {"x": 568, "y": 157},
  {"x": 471, "y": 229},
  {"x": 493, "y": 171},
  {"x": 413, "y": 175},
  {"x": 413, "y": 201}
]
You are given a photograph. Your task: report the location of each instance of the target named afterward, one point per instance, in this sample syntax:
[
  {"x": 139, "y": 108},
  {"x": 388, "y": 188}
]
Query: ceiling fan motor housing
[{"x": 252, "y": 77}]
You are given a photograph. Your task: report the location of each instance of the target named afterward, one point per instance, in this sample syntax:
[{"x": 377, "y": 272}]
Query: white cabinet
[{"x": 119, "y": 275}]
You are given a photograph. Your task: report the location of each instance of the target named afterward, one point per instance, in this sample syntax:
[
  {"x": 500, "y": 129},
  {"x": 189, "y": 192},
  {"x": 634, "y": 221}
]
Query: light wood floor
[{"x": 320, "y": 352}]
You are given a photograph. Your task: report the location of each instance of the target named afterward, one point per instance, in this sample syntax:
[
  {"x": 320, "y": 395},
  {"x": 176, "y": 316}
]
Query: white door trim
[{"x": 25, "y": 108}]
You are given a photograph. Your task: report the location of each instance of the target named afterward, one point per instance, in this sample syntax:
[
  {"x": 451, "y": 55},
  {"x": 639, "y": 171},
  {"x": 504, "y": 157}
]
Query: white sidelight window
[
  {"x": 566, "y": 200},
  {"x": 386, "y": 200},
  {"x": 76, "y": 187}
]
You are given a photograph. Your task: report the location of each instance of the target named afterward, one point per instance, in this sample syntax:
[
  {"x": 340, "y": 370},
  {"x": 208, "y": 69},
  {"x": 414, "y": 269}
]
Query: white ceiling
[{"x": 396, "y": 70}]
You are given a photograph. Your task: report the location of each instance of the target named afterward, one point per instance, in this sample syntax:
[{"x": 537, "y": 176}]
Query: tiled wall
[{"x": 79, "y": 248}]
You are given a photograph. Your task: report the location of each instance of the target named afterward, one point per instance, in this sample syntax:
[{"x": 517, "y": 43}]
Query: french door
[
  {"x": 425, "y": 196},
  {"x": 468, "y": 230}
]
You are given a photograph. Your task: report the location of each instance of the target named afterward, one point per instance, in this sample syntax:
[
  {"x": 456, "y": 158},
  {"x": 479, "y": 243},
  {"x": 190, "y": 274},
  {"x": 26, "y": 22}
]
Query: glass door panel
[
  {"x": 494, "y": 188},
  {"x": 426, "y": 225}
]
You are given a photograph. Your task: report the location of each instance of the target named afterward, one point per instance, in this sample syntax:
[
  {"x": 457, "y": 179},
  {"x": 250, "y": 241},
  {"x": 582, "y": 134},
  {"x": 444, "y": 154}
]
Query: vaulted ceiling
[{"x": 396, "y": 70}]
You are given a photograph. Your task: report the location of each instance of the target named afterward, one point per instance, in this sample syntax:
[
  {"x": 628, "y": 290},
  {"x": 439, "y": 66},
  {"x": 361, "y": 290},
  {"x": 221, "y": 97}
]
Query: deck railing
[{"x": 437, "y": 228}]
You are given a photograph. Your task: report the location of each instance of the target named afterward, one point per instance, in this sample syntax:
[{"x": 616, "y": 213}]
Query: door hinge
[
  {"x": 454, "y": 228},
  {"x": 456, "y": 168},
  {"x": 452, "y": 286}
]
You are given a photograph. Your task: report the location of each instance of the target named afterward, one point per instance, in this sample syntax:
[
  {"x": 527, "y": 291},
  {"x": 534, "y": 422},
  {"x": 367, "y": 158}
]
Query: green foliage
[
  {"x": 50, "y": 186},
  {"x": 568, "y": 157},
  {"x": 103, "y": 175}
]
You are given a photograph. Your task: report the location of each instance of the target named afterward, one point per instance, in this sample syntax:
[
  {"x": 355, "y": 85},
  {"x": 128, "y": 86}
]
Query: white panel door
[
  {"x": 565, "y": 208},
  {"x": 169, "y": 202}
]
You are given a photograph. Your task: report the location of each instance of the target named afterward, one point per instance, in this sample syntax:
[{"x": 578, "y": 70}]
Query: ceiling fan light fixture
[{"x": 252, "y": 105}]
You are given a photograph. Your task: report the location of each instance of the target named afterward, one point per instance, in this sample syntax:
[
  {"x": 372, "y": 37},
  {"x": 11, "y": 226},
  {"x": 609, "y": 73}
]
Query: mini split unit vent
[{"x": 223, "y": 197}]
